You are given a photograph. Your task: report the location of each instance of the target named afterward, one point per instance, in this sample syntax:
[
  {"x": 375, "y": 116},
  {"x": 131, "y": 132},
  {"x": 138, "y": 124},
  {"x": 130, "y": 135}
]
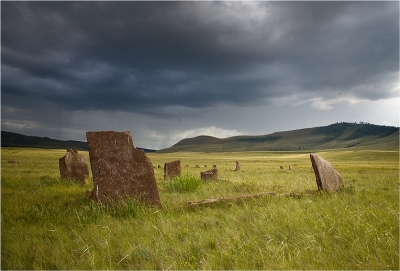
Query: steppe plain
[{"x": 48, "y": 223}]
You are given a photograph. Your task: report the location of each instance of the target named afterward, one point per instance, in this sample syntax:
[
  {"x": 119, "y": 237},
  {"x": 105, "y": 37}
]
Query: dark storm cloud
[{"x": 145, "y": 57}]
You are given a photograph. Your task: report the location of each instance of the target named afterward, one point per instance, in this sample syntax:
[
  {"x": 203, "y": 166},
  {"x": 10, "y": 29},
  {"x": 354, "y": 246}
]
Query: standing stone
[
  {"x": 74, "y": 167},
  {"x": 119, "y": 169},
  {"x": 237, "y": 166},
  {"x": 172, "y": 169},
  {"x": 290, "y": 167},
  {"x": 281, "y": 167},
  {"x": 211, "y": 174},
  {"x": 214, "y": 166},
  {"x": 327, "y": 178}
]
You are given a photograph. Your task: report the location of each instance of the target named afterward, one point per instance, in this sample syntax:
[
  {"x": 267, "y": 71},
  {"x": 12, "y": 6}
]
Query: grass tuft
[{"x": 184, "y": 183}]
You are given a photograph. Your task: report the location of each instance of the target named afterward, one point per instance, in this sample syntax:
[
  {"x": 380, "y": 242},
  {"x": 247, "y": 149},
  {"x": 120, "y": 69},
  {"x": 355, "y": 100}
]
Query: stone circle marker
[
  {"x": 238, "y": 166},
  {"x": 74, "y": 167},
  {"x": 120, "y": 170},
  {"x": 327, "y": 178},
  {"x": 172, "y": 169},
  {"x": 211, "y": 174}
]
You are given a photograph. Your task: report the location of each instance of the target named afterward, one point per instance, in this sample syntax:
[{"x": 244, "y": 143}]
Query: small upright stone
[
  {"x": 120, "y": 170},
  {"x": 172, "y": 169},
  {"x": 281, "y": 167},
  {"x": 327, "y": 178},
  {"x": 290, "y": 167},
  {"x": 238, "y": 166},
  {"x": 211, "y": 174},
  {"x": 74, "y": 167}
]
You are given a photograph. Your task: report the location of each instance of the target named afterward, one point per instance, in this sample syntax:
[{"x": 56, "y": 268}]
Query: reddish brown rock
[
  {"x": 238, "y": 166},
  {"x": 327, "y": 178},
  {"x": 172, "y": 169},
  {"x": 120, "y": 170},
  {"x": 211, "y": 174},
  {"x": 74, "y": 167}
]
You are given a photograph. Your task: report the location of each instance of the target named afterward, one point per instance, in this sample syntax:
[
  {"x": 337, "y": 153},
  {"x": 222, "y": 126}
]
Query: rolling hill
[
  {"x": 9, "y": 139},
  {"x": 334, "y": 136}
]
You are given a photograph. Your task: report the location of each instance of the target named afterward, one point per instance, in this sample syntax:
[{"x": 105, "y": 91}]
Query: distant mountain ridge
[
  {"x": 9, "y": 139},
  {"x": 338, "y": 135}
]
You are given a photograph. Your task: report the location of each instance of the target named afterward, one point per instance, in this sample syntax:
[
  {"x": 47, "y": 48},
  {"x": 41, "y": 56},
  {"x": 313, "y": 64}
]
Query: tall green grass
[
  {"x": 48, "y": 223},
  {"x": 183, "y": 183}
]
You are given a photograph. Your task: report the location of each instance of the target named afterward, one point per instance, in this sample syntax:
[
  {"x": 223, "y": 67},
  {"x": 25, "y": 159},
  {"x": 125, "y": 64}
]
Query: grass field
[{"x": 50, "y": 224}]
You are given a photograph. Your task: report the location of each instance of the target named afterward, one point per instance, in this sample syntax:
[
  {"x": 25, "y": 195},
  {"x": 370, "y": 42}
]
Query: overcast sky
[{"x": 170, "y": 70}]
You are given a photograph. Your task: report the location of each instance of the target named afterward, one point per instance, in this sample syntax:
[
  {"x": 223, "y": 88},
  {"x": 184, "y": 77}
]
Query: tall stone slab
[
  {"x": 238, "y": 166},
  {"x": 172, "y": 169},
  {"x": 119, "y": 169},
  {"x": 74, "y": 167},
  {"x": 327, "y": 178}
]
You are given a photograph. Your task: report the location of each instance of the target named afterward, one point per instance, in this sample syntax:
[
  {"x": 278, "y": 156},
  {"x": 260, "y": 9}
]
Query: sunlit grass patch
[{"x": 183, "y": 183}]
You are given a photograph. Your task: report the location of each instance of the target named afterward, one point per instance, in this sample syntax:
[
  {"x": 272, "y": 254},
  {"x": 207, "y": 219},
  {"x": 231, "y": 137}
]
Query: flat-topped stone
[
  {"x": 211, "y": 174},
  {"x": 172, "y": 169}
]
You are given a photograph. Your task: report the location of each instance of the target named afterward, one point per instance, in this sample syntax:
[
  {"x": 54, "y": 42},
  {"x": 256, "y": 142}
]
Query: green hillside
[{"x": 334, "y": 136}]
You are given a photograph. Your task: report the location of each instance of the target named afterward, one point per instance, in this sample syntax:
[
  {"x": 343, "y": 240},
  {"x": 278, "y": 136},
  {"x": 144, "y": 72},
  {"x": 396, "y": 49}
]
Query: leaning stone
[
  {"x": 120, "y": 170},
  {"x": 327, "y": 178},
  {"x": 172, "y": 169},
  {"x": 74, "y": 167},
  {"x": 211, "y": 174}
]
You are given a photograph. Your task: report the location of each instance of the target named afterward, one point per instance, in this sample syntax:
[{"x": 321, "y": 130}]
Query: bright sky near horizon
[{"x": 171, "y": 70}]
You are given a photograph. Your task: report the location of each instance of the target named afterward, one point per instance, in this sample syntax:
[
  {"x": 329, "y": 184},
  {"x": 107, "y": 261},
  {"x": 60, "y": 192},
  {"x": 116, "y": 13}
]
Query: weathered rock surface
[
  {"x": 211, "y": 174},
  {"x": 120, "y": 170},
  {"x": 74, "y": 167},
  {"x": 172, "y": 169},
  {"x": 327, "y": 178}
]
